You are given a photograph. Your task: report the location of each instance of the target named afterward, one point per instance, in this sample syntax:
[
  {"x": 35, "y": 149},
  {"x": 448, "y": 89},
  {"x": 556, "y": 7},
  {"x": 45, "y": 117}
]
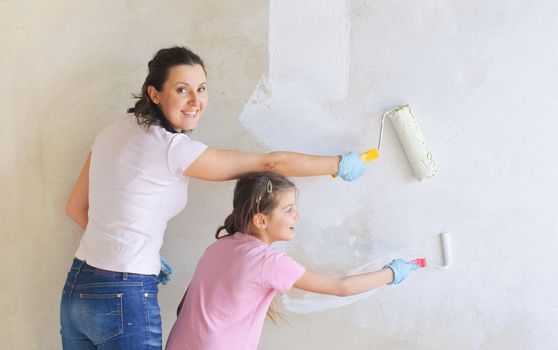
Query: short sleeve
[
  {"x": 280, "y": 272},
  {"x": 182, "y": 152}
]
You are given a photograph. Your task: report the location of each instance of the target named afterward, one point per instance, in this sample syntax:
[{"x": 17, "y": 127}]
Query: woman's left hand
[
  {"x": 166, "y": 272},
  {"x": 351, "y": 167}
]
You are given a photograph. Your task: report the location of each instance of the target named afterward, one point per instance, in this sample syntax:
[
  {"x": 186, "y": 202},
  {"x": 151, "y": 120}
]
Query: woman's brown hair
[{"x": 148, "y": 113}]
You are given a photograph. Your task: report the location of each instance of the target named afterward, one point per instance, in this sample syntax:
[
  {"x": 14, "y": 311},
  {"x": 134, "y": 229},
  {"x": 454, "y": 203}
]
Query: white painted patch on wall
[
  {"x": 308, "y": 73},
  {"x": 312, "y": 302},
  {"x": 309, "y": 56},
  {"x": 463, "y": 66}
]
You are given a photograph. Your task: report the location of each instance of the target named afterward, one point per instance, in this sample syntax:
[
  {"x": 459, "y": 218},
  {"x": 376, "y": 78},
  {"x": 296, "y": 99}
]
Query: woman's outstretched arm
[{"x": 217, "y": 165}]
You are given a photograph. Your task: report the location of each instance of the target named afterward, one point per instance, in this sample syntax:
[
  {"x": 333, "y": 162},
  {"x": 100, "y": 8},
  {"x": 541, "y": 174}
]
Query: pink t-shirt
[{"x": 227, "y": 300}]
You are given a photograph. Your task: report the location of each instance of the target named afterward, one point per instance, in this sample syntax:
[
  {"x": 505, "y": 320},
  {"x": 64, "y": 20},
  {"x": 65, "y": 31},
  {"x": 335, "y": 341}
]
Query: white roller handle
[{"x": 446, "y": 249}]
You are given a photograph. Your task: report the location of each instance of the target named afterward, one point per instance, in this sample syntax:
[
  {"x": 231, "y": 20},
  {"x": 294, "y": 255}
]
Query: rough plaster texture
[{"x": 481, "y": 80}]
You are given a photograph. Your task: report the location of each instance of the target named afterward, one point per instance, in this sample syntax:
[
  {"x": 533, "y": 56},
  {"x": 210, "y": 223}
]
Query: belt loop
[
  {"x": 125, "y": 276},
  {"x": 81, "y": 264}
]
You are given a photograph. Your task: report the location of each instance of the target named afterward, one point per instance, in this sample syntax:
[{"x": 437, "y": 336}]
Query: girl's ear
[
  {"x": 259, "y": 220},
  {"x": 153, "y": 94}
]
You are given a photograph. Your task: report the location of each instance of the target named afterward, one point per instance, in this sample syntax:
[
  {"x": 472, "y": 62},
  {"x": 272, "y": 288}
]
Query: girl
[
  {"x": 134, "y": 180},
  {"x": 238, "y": 276}
]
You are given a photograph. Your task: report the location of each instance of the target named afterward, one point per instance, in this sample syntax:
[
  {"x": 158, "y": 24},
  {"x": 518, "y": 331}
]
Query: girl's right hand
[
  {"x": 401, "y": 269},
  {"x": 351, "y": 167}
]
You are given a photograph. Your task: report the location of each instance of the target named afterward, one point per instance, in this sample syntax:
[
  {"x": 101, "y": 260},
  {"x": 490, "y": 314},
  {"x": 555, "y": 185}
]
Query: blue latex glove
[
  {"x": 351, "y": 167},
  {"x": 401, "y": 269},
  {"x": 166, "y": 272}
]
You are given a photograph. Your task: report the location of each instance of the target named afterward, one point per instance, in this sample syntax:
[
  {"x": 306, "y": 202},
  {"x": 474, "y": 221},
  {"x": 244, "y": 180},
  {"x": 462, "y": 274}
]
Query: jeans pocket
[{"x": 102, "y": 315}]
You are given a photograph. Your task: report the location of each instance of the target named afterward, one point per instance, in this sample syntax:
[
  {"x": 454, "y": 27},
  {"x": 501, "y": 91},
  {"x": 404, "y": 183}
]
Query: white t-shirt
[{"x": 135, "y": 187}]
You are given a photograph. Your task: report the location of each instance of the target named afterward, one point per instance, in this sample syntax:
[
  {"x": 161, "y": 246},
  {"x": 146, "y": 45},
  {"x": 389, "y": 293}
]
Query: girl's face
[
  {"x": 280, "y": 224},
  {"x": 183, "y": 98}
]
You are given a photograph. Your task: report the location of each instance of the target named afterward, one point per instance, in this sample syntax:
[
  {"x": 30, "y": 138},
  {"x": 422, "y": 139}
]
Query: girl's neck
[{"x": 262, "y": 236}]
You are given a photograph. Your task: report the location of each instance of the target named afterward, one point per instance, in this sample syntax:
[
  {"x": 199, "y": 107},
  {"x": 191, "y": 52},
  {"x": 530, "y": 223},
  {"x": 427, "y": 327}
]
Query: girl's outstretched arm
[
  {"x": 316, "y": 282},
  {"x": 217, "y": 165}
]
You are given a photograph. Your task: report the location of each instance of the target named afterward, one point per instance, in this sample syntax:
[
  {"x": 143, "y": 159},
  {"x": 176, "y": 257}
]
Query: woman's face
[{"x": 183, "y": 98}]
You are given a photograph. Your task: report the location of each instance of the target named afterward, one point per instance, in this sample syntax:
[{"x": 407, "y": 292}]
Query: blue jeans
[{"x": 109, "y": 310}]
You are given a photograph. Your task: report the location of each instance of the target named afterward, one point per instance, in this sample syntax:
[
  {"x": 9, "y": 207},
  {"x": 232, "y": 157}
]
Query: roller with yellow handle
[{"x": 411, "y": 139}]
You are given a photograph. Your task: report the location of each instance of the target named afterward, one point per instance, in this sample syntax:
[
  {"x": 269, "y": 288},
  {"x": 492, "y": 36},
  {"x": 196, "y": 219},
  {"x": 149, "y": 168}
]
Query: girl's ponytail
[{"x": 229, "y": 226}]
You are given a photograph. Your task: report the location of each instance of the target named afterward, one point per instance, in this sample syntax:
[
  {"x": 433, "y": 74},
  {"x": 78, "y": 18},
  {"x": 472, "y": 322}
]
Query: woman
[{"x": 133, "y": 182}]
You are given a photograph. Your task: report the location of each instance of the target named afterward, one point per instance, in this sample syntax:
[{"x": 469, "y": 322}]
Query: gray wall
[{"x": 313, "y": 76}]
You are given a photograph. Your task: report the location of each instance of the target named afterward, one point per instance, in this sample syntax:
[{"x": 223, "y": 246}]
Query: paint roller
[
  {"x": 447, "y": 259},
  {"x": 410, "y": 136}
]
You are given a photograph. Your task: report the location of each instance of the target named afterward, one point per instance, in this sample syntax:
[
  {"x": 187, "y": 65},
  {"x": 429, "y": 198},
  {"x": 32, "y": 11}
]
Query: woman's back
[{"x": 136, "y": 186}]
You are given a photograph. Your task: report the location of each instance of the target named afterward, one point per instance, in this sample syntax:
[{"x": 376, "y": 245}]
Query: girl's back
[{"x": 231, "y": 290}]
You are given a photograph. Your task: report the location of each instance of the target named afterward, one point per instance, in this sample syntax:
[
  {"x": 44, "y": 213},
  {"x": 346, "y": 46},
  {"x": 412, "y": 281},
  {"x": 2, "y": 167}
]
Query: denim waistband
[{"x": 83, "y": 266}]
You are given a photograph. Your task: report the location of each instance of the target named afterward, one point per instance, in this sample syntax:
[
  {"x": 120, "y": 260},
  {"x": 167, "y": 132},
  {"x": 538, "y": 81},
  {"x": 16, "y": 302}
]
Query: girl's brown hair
[{"x": 256, "y": 193}]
